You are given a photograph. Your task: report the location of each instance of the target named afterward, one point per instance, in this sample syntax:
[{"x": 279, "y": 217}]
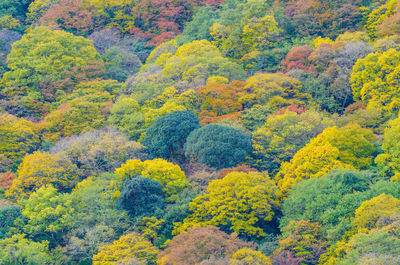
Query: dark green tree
[
  {"x": 8, "y": 215},
  {"x": 166, "y": 137},
  {"x": 141, "y": 196},
  {"x": 218, "y": 146}
]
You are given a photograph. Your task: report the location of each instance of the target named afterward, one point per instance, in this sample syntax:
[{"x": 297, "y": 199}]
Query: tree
[
  {"x": 98, "y": 151},
  {"x": 45, "y": 61},
  {"x": 247, "y": 256},
  {"x": 8, "y": 215},
  {"x": 170, "y": 176},
  {"x": 240, "y": 202},
  {"x": 297, "y": 58},
  {"x": 374, "y": 79},
  {"x": 132, "y": 245},
  {"x": 186, "y": 67},
  {"x": 68, "y": 15},
  {"x": 39, "y": 169},
  {"x": 217, "y": 146},
  {"x": 275, "y": 90},
  {"x": 71, "y": 118},
  {"x": 389, "y": 160},
  {"x": 219, "y": 100},
  {"x": 126, "y": 115},
  {"x": 141, "y": 196},
  {"x": 49, "y": 213},
  {"x": 304, "y": 240},
  {"x": 379, "y": 15},
  {"x": 97, "y": 221},
  {"x": 346, "y": 147},
  {"x": 166, "y": 137},
  {"x": 283, "y": 135},
  {"x": 18, "y": 137},
  {"x": 312, "y": 161},
  {"x": 327, "y": 200},
  {"x": 369, "y": 212},
  {"x": 20, "y": 250},
  {"x": 199, "y": 244}
]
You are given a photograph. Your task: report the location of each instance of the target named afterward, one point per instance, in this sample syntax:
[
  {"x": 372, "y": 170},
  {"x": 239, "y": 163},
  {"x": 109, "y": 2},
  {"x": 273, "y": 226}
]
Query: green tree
[
  {"x": 20, "y": 250},
  {"x": 141, "y": 196},
  {"x": 166, "y": 137},
  {"x": 49, "y": 213},
  {"x": 217, "y": 146},
  {"x": 389, "y": 161},
  {"x": 8, "y": 215},
  {"x": 45, "y": 61}
]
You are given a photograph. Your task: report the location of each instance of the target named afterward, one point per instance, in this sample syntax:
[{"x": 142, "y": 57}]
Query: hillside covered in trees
[{"x": 199, "y": 132}]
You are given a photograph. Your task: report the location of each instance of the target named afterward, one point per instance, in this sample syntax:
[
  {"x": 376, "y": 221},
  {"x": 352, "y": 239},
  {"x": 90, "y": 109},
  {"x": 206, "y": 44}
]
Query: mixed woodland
[{"x": 199, "y": 132}]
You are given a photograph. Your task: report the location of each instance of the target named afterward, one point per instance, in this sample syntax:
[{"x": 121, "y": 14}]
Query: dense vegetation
[{"x": 200, "y": 132}]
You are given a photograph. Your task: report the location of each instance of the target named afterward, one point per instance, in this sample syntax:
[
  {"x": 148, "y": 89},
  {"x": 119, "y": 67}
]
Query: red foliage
[
  {"x": 160, "y": 20},
  {"x": 285, "y": 258},
  {"x": 292, "y": 108},
  {"x": 355, "y": 106},
  {"x": 68, "y": 15},
  {"x": 199, "y": 244},
  {"x": 297, "y": 58},
  {"x": 220, "y": 101},
  {"x": 6, "y": 180},
  {"x": 244, "y": 168}
]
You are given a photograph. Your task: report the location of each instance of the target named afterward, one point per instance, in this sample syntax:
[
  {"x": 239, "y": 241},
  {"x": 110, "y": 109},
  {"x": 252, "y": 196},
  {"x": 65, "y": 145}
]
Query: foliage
[
  {"x": 39, "y": 169},
  {"x": 8, "y": 215},
  {"x": 98, "y": 151},
  {"x": 346, "y": 147},
  {"x": 132, "y": 245},
  {"x": 166, "y": 137},
  {"x": 141, "y": 196},
  {"x": 247, "y": 256},
  {"x": 18, "y": 138},
  {"x": 328, "y": 200},
  {"x": 74, "y": 117},
  {"x": 170, "y": 176},
  {"x": 283, "y": 135},
  {"x": 199, "y": 244},
  {"x": 389, "y": 160},
  {"x": 374, "y": 79},
  {"x": 47, "y": 212},
  {"x": 188, "y": 66},
  {"x": 304, "y": 240},
  {"x": 69, "y": 59},
  {"x": 240, "y": 202},
  {"x": 20, "y": 250},
  {"x": 217, "y": 146}
]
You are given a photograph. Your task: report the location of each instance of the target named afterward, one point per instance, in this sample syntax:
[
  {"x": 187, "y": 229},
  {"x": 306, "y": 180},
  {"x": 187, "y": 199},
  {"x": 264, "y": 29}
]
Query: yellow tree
[
  {"x": 239, "y": 202},
  {"x": 170, "y": 176},
  {"x": 128, "y": 247},
  {"x": 39, "y": 169},
  {"x": 18, "y": 137},
  {"x": 347, "y": 147},
  {"x": 375, "y": 81}
]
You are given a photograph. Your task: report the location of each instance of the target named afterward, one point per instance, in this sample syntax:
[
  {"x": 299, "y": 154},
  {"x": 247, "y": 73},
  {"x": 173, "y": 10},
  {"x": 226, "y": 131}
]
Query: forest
[{"x": 199, "y": 132}]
